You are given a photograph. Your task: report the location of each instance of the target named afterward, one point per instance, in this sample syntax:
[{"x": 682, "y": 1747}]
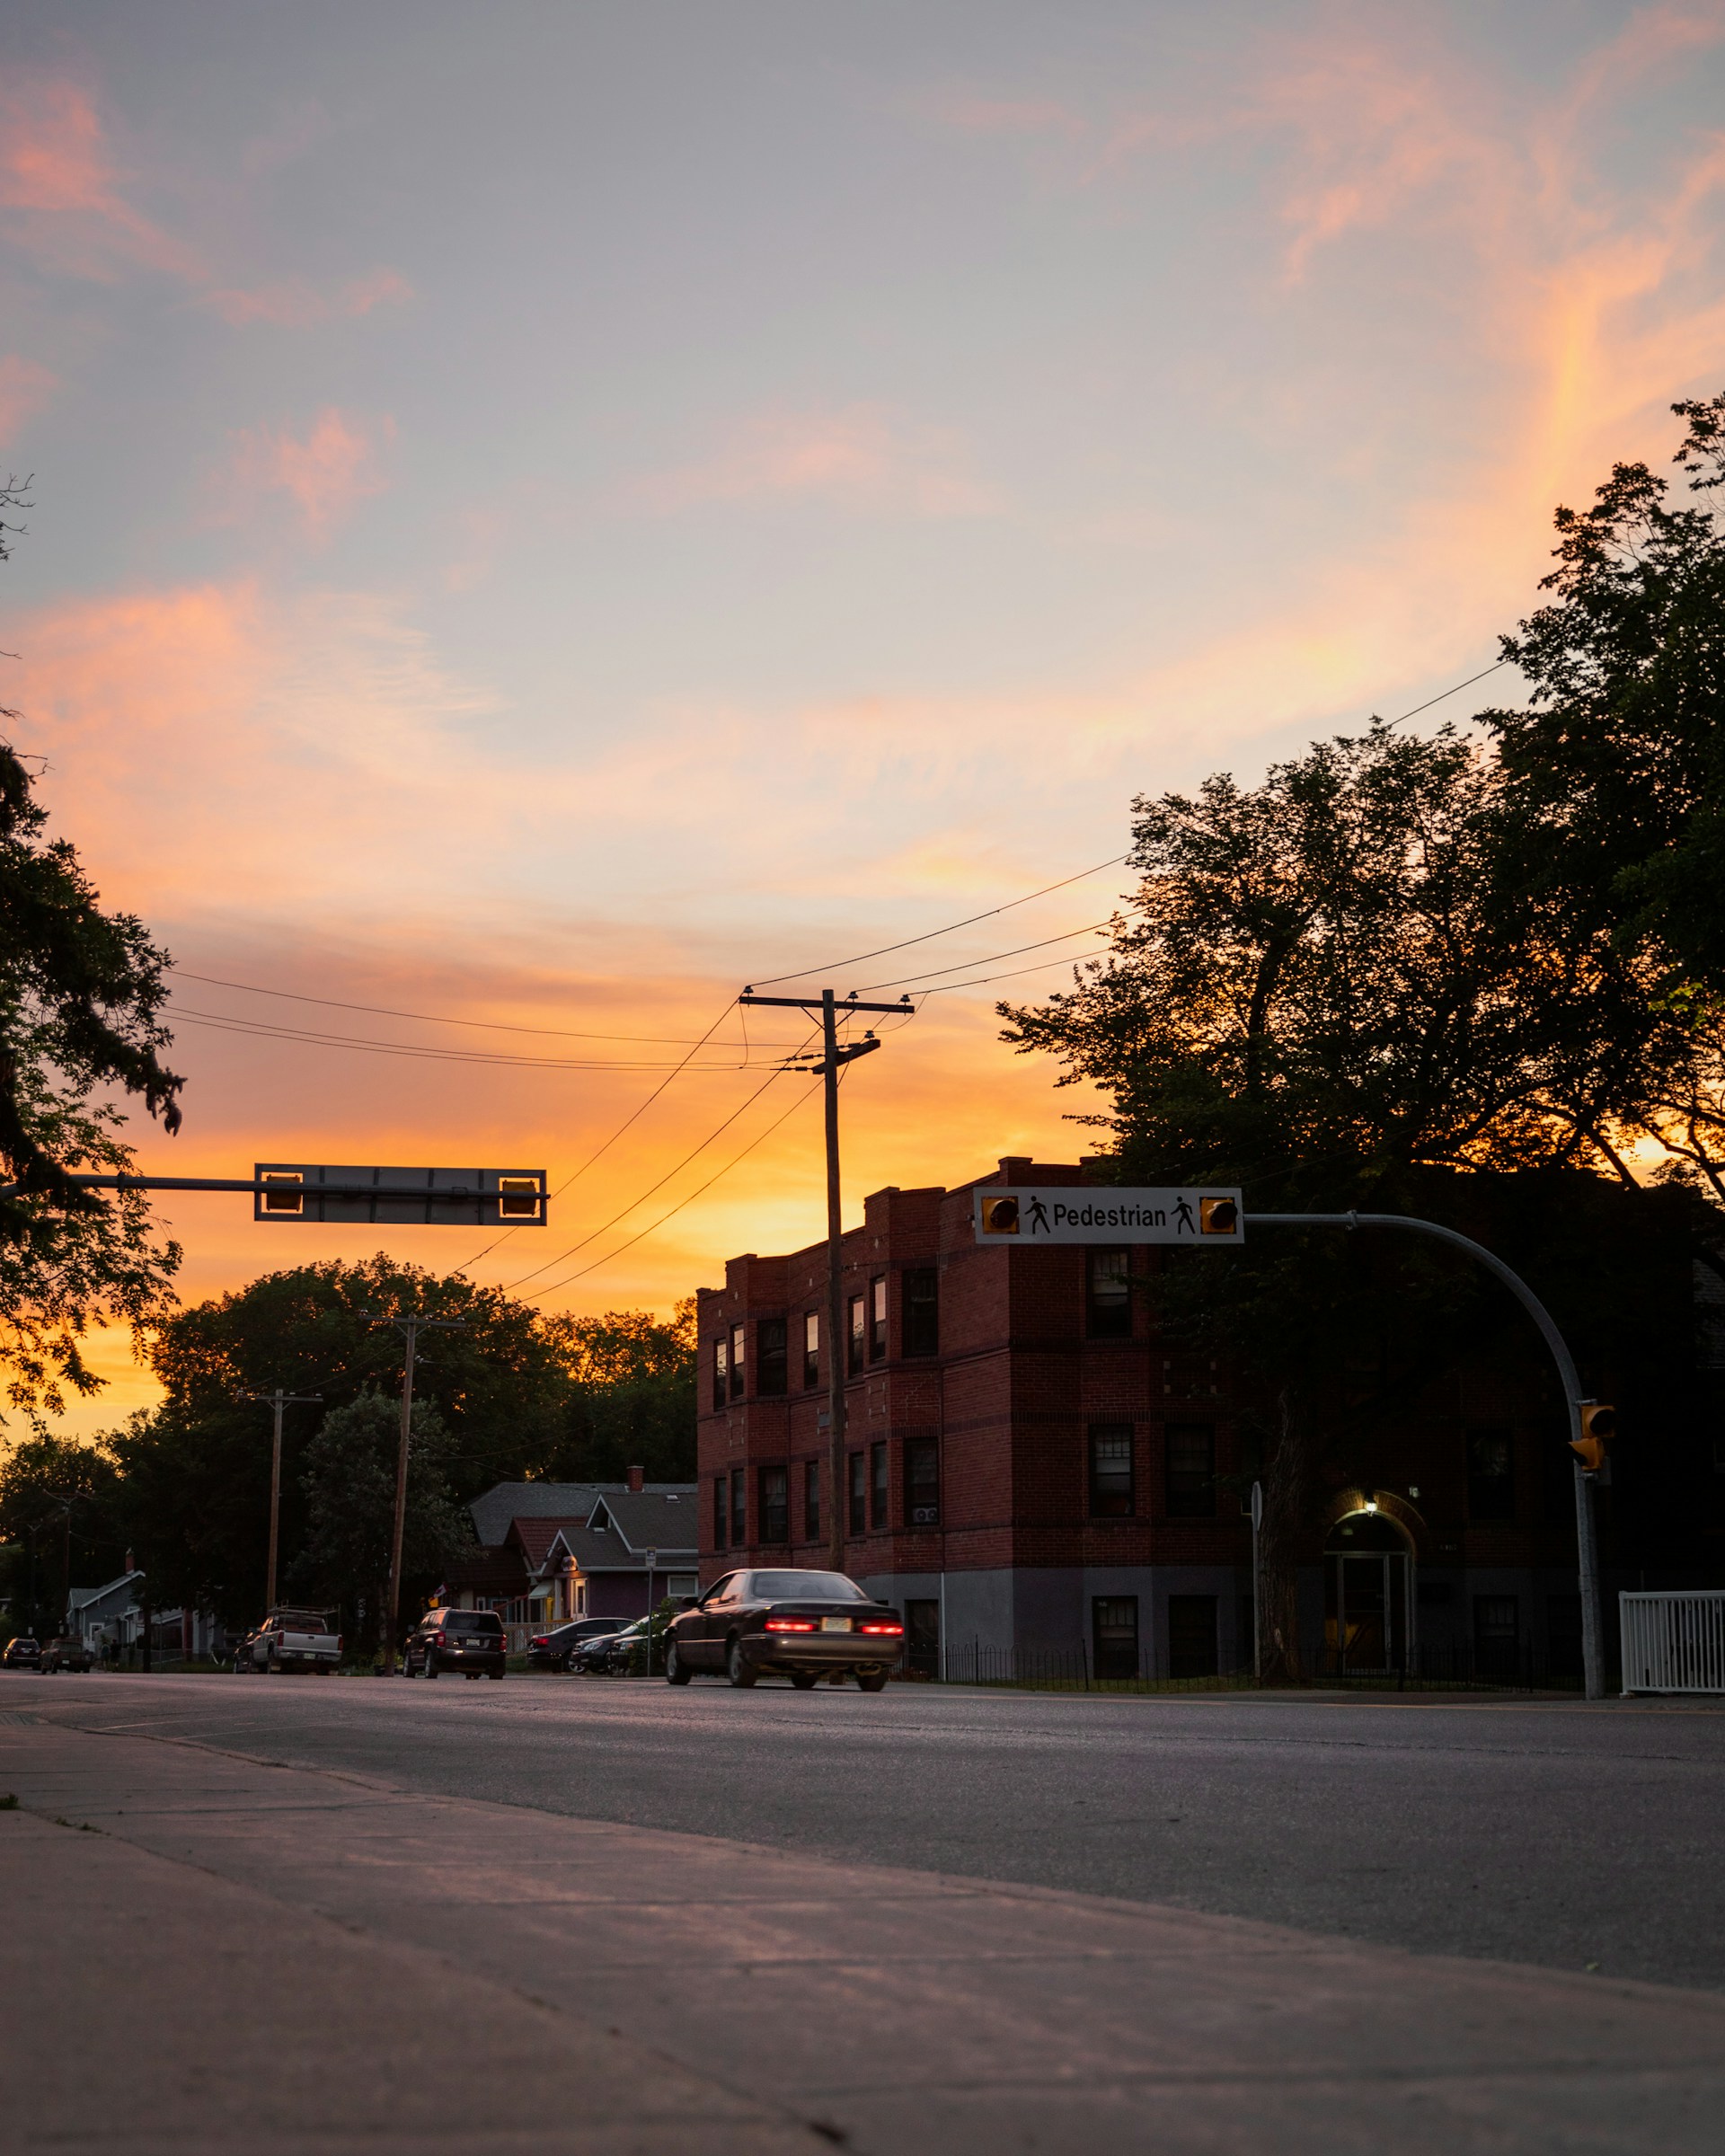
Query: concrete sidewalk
[{"x": 244, "y": 1955}]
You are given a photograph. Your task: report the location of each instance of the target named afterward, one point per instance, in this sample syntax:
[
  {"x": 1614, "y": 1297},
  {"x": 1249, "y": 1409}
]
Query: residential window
[
  {"x": 739, "y": 1509},
  {"x": 1114, "y": 1635},
  {"x": 1190, "y": 1454},
  {"x": 858, "y": 1333},
  {"x": 770, "y": 1374},
  {"x": 721, "y": 1371},
  {"x": 923, "y": 1481},
  {"x": 878, "y": 1318},
  {"x": 1191, "y": 1635},
  {"x": 922, "y": 1311},
  {"x": 1497, "y": 1636},
  {"x": 811, "y": 1347},
  {"x": 859, "y": 1494},
  {"x": 719, "y": 1512},
  {"x": 738, "y": 1334},
  {"x": 1108, "y": 1298},
  {"x": 811, "y": 1500},
  {"x": 1490, "y": 1473},
  {"x": 775, "y": 1504},
  {"x": 879, "y": 1510},
  {"x": 1110, "y": 1470}
]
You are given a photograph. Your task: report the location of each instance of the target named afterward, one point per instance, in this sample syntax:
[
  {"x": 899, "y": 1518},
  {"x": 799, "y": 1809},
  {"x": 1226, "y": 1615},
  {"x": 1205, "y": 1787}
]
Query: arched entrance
[{"x": 1368, "y": 1601}]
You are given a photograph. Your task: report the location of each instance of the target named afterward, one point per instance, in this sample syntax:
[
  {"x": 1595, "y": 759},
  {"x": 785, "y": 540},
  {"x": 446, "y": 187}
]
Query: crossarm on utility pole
[{"x": 1587, "y": 1550}]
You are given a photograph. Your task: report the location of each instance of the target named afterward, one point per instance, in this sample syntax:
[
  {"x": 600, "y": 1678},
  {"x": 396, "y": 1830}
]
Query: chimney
[
  {"x": 130, "y": 1566},
  {"x": 637, "y": 1476}
]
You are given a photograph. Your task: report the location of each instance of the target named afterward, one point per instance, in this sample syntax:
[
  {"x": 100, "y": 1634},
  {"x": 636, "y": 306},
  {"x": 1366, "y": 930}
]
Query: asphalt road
[{"x": 1555, "y": 1833}]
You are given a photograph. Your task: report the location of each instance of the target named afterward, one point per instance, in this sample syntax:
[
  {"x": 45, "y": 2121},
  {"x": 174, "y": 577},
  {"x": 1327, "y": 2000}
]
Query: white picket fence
[{"x": 1673, "y": 1642}]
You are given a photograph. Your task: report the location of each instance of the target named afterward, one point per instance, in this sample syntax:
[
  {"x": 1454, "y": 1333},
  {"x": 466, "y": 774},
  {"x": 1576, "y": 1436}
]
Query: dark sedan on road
[
  {"x": 471, "y": 1641},
  {"x": 553, "y": 1649},
  {"x": 802, "y": 1625}
]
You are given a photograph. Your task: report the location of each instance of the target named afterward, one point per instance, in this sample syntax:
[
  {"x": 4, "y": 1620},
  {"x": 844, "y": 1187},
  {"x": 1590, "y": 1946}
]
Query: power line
[
  {"x": 834, "y": 965},
  {"x": 569, "y": 1278},
  {"x": 429, "y": 1018},
  {"x": 660, "y": 1185},
  {"x": 910, "y": 979},
  {"x": 1442, "y": 693},
  {"x": 261, "y": 1030}
]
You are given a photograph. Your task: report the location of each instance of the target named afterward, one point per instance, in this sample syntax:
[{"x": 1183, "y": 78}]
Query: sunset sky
[{"x": 544, "y": 514}]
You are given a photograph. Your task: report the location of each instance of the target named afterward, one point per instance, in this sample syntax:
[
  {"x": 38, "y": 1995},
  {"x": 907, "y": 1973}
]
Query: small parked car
[
  {"x": 21, "y": 1653},
  {"x": 290, "y": 1639},
  {"x": 473, "y": 1641},
  {"x": 552, "y": 1649},
  {"x": 802, "y": 1625},
  {"x": 610, "y": 1654},
  {"x": 66, "y": 1652}
]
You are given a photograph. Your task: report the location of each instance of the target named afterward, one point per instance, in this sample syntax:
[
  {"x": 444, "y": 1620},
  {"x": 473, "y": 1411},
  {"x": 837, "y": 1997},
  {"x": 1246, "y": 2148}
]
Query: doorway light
[{"x": 1371, "y": 1504}]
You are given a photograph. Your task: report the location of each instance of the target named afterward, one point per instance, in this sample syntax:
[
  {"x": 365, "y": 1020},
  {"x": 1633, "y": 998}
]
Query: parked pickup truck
[{"x": 290, "y": 1639}]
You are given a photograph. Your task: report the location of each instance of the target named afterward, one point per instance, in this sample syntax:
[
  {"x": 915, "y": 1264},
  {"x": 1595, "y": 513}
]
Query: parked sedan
[
  {"x": 803, "y": 1625},
  {"x": 609, "y": 1654},
  {"x": 471, "y": 1641},
  {"x": 65, "y": 1653},
  {"x": 21, "y": 1653},
  {"x": 554, "y": 1650}
]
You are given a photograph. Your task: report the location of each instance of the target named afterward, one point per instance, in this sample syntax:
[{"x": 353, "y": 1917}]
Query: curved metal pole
[{"x": 1587, "y": 1554}]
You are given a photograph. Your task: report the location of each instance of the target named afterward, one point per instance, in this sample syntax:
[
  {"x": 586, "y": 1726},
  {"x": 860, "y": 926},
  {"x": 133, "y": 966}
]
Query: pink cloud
[
  {"x": 24, "y": 389},
  {"x": 325, "y": 471},
  {"x": 295, "y": 303},
  {"x": 64, "y": 195},
  {"x": 855, "y": 456}
]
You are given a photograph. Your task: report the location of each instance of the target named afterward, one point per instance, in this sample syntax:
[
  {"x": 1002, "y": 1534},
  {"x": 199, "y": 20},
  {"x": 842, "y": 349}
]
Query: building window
[
  {"x": 1490, "y": 1473},
  {"x": 1190, "y": 1453},
  {"x": 811, "y": 1500},
  {"x": 923, "y": 1481},
  {"x": 719, "y": 1511},
  {"x": 770, "y": 1352},
  {"x": 859, "y": 1472},
  {"x": 858, "y": 1333},
  {"x": 1110, "y": 1470},
  {"x": 775, "y": 1504},
  {"x": 1107, "y": 1295},
  {"x": 1497, "y": 1636},
  {"x": 922, "y": 1311},
  {"x": 1114, "y": 1635},
  {"x": 811, "y": 1347},
  {"x": 738, "y": 1333},
  {"x": 880, "y": 1509},
  {"x": 878, "y": 1318},
  {"x": 721, "y": 1371},
  {"x": 739, "y": 1509},
  {"x": 1191, "y": 1635}
]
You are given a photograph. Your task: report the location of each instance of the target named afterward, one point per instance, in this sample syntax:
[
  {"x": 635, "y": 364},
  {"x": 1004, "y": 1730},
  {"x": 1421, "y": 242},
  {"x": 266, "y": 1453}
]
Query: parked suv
[
  {"x": 473, "y": 1641},
  {"x": 23, "y": 1654},
  {"x": 65, "y": 1653},
  {"x": 553, "y": 1649}
]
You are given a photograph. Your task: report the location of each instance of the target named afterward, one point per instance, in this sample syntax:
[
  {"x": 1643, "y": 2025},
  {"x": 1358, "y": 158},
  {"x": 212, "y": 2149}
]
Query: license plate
[{"x": 835, "y": 1624}]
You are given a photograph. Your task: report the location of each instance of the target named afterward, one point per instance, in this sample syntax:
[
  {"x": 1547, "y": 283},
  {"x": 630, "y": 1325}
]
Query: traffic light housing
[{"x": 1598, "y": 1426}]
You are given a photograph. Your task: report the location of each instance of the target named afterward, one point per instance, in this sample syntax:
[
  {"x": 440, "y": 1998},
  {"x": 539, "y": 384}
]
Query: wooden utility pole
[
  {"x": 410, "y": 1326},
  {"x": 831, "y": 1060},
  {"x": 277, "y": 1399}
]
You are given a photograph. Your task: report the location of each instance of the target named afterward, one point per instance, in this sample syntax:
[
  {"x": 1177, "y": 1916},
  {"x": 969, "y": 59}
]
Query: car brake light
[
  {"x": 790, "y": 1624},
  {"x": 543, "y": 1640},
  {"x": 338, "y": 1643},
  {"x": 892, "y": 1629}
]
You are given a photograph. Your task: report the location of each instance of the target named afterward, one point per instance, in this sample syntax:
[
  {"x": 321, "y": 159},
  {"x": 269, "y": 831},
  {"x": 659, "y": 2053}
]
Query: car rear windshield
[
  {"x": 473, "y": 1621},
  {"x": 805, "y": 1587}
]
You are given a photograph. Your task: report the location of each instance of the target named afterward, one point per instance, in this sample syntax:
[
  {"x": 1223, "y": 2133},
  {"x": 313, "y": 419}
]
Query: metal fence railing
[
  {"x": 1673, "y": 1642},
  {"x": 1437, "y": 1667}
]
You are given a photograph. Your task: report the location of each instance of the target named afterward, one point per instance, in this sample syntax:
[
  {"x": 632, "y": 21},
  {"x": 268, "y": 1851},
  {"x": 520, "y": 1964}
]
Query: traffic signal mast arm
[
  {"x": 1590, "y": 1423},
  {"x": 459, "y": 1195}
]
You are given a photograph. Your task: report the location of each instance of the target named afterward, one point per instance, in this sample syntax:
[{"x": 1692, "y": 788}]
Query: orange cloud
[
  {"x": 295, "y": 303},
  {"x": 326, "y": 472},
  {"x": 65, "y": 197},
  {"x": 855, "y": 456},
  {"x": 24, "y": 389}
]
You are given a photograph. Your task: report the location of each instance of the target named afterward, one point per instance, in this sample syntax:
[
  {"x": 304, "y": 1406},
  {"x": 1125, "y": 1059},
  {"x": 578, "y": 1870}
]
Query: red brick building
[{"x": 1031, "y": 1468}]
